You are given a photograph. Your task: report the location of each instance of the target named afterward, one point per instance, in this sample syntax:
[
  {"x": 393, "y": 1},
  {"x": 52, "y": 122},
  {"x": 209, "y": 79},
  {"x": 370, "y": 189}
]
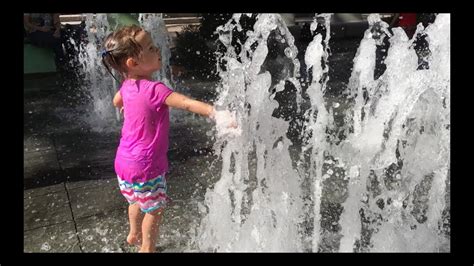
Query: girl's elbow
[{"x": 117, "y": 103}]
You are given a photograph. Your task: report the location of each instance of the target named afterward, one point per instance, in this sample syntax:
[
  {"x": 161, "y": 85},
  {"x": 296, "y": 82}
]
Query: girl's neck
[{"x": 138, "y": 77}]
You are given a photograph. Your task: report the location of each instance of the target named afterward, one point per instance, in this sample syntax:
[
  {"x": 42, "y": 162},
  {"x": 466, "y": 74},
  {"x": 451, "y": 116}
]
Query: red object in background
[{"x": 407, "y": 20}]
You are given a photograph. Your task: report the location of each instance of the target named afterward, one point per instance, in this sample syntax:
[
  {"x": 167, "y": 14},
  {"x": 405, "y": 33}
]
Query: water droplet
[{"x": 45, "y": 246}]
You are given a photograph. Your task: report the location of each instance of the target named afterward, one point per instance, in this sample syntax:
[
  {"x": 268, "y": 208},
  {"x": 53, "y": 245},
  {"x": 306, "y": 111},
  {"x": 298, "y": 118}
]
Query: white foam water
[
  {"x": 256, "y": 205},
  {"x": 390, "y": 120},
  {"x": 395, "y": 156}
]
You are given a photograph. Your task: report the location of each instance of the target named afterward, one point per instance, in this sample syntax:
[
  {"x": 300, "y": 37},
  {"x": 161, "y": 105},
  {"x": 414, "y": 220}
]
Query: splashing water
[
  {"x": 315, "y": 145},
  {"x": 394, "y": 159},
  {"x": 256, "y": 205},
  {"x": 401, "y": 101},
  {"x": 100, "y": 86}
]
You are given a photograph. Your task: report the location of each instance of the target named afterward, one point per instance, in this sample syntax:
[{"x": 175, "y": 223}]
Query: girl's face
[{"x": 150, "y": 59}]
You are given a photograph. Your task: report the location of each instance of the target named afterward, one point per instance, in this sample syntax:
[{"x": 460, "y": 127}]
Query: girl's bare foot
[
  {"x": 144, "y": 250},
  {"x": 134, "y": 239}
]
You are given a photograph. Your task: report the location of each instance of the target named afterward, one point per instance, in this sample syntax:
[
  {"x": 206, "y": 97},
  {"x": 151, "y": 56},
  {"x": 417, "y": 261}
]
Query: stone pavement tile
[
  {"x": 38, "y": 107},
  {"x": 182, "y": 183},
  {"x": 201, "y": 171},
  {"x": 30, "y": 193},
  {"x": 95, "y": 198},
  {"x": 179, "y": 218},
  {"x": 44, "y": 210},
  {"x": 65, "y": 141},
  {"x": 86, "y": 156},
  {"x": 82, "y": 150},
  {"x": 88, "y": 173},
  {"x": 39, "y": 116},
  {"x": 43, "y": 178},
  {"x": 55, "y": 238},
  {"x": 36, "y": 142},
  {"x": 37, "y": 162},
  {"x": 102, "y": 182},
  {"x": 43, "y": 82},
  {"x": 105, "y": 232}
]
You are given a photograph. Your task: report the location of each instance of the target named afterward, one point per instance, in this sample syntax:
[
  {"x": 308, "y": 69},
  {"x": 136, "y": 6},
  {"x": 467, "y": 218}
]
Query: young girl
[{"x": 141, "y": 160}]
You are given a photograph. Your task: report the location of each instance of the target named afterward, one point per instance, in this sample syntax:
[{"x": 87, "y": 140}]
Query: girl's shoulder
[
  {"x": 152, "y": 83},
  {"x": 140, "y": 83}
]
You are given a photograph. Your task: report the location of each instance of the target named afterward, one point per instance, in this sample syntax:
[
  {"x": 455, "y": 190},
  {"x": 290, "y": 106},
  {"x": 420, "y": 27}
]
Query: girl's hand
[
  {"x": 121, "y": 110},
  {"x": 225, "y": 118},
  {"x": 226, "y": 123}
]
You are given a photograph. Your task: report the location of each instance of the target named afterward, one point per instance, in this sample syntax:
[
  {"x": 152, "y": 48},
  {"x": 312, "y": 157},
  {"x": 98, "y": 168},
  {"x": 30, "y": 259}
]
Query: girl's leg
[
  {"x": 150, "y": 229},
  {"x": 135, "y": 217}
]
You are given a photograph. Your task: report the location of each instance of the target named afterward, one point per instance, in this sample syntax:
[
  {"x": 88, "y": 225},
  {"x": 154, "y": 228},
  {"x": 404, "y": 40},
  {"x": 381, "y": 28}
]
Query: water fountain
[
  {"x": 393, "y": 158},
  {"x": 385, "y": 171}
]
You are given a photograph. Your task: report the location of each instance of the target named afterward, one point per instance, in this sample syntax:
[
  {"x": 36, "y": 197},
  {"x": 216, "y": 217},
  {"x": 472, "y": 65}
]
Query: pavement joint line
[
  {"x": 73, "y": 219},
  {"x": 57, "y": 156},
  {"x": 71, "y": 247},
  {"x": 89, "y": 216}
]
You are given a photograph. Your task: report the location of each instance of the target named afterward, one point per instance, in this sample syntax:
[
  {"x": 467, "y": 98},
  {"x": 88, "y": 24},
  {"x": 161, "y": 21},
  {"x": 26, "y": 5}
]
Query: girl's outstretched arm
[{"x": 180, "y": 101}]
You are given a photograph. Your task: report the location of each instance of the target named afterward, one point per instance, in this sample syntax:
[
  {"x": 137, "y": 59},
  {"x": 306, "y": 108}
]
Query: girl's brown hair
[{"x": 120, "y": 45}]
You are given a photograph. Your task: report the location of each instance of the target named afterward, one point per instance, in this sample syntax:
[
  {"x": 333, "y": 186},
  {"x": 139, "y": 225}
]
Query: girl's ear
[{"x": 130, "y": 63}]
